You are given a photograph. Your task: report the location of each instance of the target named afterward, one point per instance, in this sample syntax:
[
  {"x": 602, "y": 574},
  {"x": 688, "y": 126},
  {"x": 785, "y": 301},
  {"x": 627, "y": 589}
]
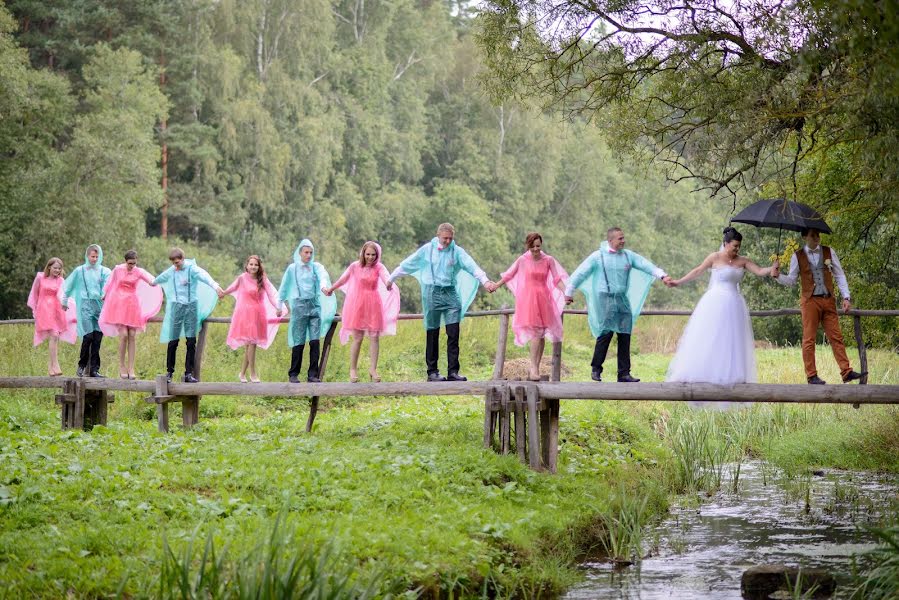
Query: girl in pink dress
[
  {"x": 129, "y": 301},
  {"x": 537, "y": 281},
  {"x": 53, "y": 319},
  {"x": 370, "y": 309},
  {"x": 256, "y": 315}
]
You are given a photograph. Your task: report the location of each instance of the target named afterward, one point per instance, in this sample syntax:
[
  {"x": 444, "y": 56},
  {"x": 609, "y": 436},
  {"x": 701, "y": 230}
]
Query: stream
[{"x": 701, "y": 552}]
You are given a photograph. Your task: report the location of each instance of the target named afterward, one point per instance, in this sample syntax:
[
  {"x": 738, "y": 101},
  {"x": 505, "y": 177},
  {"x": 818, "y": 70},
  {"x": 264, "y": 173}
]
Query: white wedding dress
[{"x": 717, "y": 345}]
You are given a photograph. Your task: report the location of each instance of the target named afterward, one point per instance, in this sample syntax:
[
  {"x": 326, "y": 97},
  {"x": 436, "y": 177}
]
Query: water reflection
[{"x": 702, "y": 552}]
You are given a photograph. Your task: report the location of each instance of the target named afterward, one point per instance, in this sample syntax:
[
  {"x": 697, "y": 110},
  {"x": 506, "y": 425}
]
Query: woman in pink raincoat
[
  {"x": 256, "y": 315},
  {"x": 129, "y": 301},
  {"x": 537, "y": 281},
  {"x": 370, "y": 308},
  {"x": 54, "y": 320}
]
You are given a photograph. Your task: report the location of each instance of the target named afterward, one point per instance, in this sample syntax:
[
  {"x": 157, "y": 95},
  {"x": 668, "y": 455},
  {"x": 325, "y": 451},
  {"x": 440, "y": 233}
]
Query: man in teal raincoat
[
  {"x": 190, "y": 296},
  {"x": 615, "y": 282},
  {"x": 311, "y": 311},
  {"x": 448, "y": 277},
  {"x": 85, "y": 284}
]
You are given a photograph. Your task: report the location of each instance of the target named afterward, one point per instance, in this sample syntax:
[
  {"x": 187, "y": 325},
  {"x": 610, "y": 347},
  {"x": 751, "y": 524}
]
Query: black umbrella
[{"x": 782, "y": 214}]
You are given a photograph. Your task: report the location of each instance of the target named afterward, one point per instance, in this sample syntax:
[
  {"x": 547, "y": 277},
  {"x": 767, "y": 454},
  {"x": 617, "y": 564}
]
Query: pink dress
[
  {"x": 538, "y": 300},
  {"x": 45, "y": 301},
  {"x": 129, "y": 300},
  {"x": 369, "y": 306},
  {"x": 255, "y": 319}
]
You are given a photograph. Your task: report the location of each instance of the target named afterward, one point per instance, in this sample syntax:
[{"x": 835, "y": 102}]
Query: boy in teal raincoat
[
  {"x": 449, "y": 278},
  {"x": 615, "y": 283},
  {"x": 311, "y": 311},
  {"x": 85, "y": 284},
  {"x": 190, "y": 296}
]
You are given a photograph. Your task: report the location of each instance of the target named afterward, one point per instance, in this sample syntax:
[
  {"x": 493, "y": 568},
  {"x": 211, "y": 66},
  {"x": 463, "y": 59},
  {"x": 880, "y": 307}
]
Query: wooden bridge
[{"x": 519, "y": 415}]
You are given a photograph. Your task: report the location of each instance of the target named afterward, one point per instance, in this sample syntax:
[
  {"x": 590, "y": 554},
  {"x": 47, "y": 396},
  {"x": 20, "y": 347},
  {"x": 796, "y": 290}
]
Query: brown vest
[{"x": 805, "y": 273}]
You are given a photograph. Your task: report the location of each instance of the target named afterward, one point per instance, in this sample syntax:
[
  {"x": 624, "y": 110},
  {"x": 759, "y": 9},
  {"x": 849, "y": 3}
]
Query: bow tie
[{"x": 815, "y": 251}]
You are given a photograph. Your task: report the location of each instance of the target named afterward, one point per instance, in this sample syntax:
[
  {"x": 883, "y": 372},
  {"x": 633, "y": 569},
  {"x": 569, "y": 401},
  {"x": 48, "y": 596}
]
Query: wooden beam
[{"x": 162, "y": 409}]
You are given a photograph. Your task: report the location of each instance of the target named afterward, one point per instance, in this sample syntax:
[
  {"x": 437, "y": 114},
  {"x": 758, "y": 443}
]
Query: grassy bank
[{"x": 399, "y": 491}]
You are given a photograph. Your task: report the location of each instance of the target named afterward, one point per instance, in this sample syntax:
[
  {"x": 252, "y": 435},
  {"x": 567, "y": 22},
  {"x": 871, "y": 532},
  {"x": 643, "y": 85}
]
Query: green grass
[{"x": 397, "y": 494}]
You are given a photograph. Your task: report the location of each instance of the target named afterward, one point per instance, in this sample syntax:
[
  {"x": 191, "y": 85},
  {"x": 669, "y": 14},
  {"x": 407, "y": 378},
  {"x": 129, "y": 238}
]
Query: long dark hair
[{"x": 260, "y": 274}]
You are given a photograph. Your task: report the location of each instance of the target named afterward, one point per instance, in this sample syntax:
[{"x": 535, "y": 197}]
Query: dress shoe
[
  {"x": 96, "y": 374},
  {"x": 168, "y": 377},
  {"x": 815, "y": 380},
  {"x": 596, "y": 375},
  {"x": 853, "y": 375},
  {"x": 456, "y": 377},
  {"x": 436, "y": 377},
  {"x": 189, "y": 378},
  {"x": 294, "y": 379},
  {"x": 313, "y": 380},
  {"x": 627, "y": 379},
  {"x": 80, "y": 371}
]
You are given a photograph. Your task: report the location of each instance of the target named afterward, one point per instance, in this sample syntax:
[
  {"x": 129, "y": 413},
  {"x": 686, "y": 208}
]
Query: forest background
[{"x": 240, "y": 127}]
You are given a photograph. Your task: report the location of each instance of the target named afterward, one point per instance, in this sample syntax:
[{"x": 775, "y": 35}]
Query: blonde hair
[
  {"x": 448, "y": 227},
  {"x": 49, "y": 265},
  {"x": 362, "y": 252}
]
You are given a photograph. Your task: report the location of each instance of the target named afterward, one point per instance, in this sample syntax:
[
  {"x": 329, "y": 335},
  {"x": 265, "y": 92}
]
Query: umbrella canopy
[{"x": 781, "y": 214}]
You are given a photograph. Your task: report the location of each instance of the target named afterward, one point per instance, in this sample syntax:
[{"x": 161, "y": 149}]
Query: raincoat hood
[
  {"x": 87, "y": 262},
  {"x": 296, "y": 253}
]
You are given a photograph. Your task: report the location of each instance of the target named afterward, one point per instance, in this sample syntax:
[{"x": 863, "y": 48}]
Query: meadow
[{"x": 387, "y": 496}]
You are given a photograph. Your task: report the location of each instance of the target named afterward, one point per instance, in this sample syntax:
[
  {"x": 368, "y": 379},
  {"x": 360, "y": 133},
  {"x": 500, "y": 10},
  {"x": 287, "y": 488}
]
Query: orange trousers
[{"x": 822, "y": 311}]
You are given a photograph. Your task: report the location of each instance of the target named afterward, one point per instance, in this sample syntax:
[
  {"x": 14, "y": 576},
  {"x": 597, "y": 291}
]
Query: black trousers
[
  {"x": 432, "y": 349},
  {"x": 90, "y": 351},
  {"x": 296, "y": 359},
  {"x": 188, "y": 360},
  {"x": 624, "y": 352}
]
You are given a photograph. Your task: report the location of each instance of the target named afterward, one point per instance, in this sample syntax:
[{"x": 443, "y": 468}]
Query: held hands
[
  {"x": 669, "y": 282},
  {"x": 389, "y": 285},
  {"x": 327, "y": 291},
  {"x": 775, "y": 269},
  {"x": 490, "y": 286},
  {"x": 568, "y": 300},
  {"x": 220, "y": 292}
]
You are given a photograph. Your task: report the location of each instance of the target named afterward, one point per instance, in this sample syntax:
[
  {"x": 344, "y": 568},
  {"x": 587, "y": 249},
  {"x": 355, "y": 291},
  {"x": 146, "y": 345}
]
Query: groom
[
  {"x": 817, "y": 266},
  {"x": 615, "y": 283}
]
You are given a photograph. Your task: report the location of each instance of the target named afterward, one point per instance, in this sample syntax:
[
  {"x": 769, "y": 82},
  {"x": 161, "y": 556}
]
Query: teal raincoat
[
  {"x": 85, "y": 285},
  {"x": 201, "y": 292},
  {"x": 289, "y": 291},
  {"x": 463, "y": 270},
  {"x": 615, "y": 285}
]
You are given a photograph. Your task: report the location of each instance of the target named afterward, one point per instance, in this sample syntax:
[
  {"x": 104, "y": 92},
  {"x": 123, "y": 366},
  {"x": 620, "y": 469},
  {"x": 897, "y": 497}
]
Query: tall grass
[
  {"x": 281, "y": 566},
  {"x": 881, "y": 581}
]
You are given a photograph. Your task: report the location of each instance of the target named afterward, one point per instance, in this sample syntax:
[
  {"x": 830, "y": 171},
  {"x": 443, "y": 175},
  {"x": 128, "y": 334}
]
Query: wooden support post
[
  {"x": 490, "y": 398},
  {"x": 520, "y": 402},
  {"x": 78, "y": 416},
  {"x": 95, "y": 407},
  {"x": 66, "y": 402},
  {"x": 862, "y": 351},
  {"x": 557, "y": 360},
  {"x": 322, "y": 365},
  {"x": 552, "y": 442},
  {"x": 501, "y": 340},
  {"x": 533, "y": 435},
  {"x": 162, "y": 408},
  {"x": 504, "y": 434}
]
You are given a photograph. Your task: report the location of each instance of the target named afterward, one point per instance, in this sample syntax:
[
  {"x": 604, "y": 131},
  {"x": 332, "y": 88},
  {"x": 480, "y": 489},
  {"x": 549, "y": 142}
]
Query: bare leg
[
  {"x": 373, "y": 347},
  {"x": 355, "y": 347},
  {"x": 251, "y": 362},
  {"x": 244, "y": 364},
  {"x": 53, "y": 361},
  {"x": 536, "y": 349},
  {"x": 132, "y": 351},
  {"x": 123, "y": 350}
]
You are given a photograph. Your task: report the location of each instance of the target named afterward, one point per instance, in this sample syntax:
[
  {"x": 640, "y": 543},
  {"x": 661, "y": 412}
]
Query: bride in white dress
[{"x": 717, "y": 345}]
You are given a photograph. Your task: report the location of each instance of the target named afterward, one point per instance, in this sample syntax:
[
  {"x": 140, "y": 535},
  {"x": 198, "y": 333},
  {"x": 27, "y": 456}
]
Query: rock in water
[{"x": 765, "y": 581}]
